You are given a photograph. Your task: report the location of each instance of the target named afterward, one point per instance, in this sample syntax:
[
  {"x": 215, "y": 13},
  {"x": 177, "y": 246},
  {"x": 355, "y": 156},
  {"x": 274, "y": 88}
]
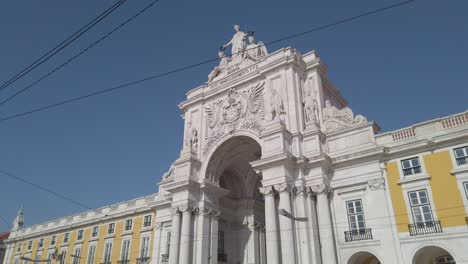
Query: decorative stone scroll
[
  {"x": 376, "y": 184},
  {"x": 238, "y": 110},
  {"x": 320, "y": 189},
  {"x": 268, "y": 190},
  {"x": 336, "y": 120}
]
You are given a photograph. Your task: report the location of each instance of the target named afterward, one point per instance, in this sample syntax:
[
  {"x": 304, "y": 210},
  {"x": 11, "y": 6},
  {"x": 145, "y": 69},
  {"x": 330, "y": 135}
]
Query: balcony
[
  {"x": 462, "y": 161},
  {"x": 424, "y": 228},
  {"x": 123, "y": 261},
  {"x": 356, "y": 235},
  {"x": 164, "y": 258},
  {"x": 222, "y": 257},
  {"x": 145, "y": 260}
]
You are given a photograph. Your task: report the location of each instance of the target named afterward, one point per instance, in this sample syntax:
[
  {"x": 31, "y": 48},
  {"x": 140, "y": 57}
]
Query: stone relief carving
[
  {"x": 322, "y": 189},
  {"x": 169, "y": 174},
  {"x": 194, "y": 140},
  {"x": 238, "y": 110},
  {"x": 376, "y": 184},
  {"x": 268, "y": 190},
  {"x": 276, "y": 106},
  {"x": 311, "y": 112},
  {"x": 242, "y": 55},
  {"x": 335, "y": 120}
]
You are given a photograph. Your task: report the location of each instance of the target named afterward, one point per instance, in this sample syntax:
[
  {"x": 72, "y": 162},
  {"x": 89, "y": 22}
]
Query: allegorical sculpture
[
  {"x": 335, "y": 120},
  {"x": 241, "y": 54}
]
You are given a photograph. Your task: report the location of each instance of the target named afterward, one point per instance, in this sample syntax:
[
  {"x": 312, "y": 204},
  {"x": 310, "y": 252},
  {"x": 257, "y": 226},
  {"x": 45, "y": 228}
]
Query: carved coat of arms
[{"x": 238, "y": 110}]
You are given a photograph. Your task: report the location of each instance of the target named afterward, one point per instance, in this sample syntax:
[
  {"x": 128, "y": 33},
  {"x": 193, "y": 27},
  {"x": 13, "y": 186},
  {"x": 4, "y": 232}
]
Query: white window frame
[
  {"x": 142, "y": 251},
  {"x": 420, "y": 206},
  {"x": 19, "y": 248},
  {"x": 78, "y": 234},
  {"x": 113, "y": 228},
  {"x": 91, "y": 257},
  {"x": 464, "y": 149},
  {"x": 150, "y": 222},
  {"x": 97, "y": 232},
  {"x": 53, "y": 240},
  {"x": 76, "y": 258},
  {"x": 131, "y": 225},
  {"x": 38, "y": 256},
  {"x": 355, "y": 215},
  {"x": 127, "y": 255},
  {"x": 63, "y": 256},
  {"x": 412, "y": 167},
  {"x": 107, "y": 254},
  {"x": 40, "y": 243},
  {"x": 66, "y": 238},
  {"x": 30, "y": 245}
]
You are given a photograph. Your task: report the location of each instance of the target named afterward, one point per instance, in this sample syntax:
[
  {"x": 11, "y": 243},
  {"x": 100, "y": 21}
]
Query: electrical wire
[
  {"x": 81, "y": 52},
  {"x": 191, "y": 65},
  {"x": 62, "y": 45}
]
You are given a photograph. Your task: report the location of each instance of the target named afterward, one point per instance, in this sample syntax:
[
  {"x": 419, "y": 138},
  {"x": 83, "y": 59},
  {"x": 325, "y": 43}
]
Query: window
[
  {"x": 16, "y": 260},
  {"x": 411, "y": 166},
  {"x": 466, "y": 189},
  {"x": 66, "y": 237},
  {"x": 76, "y": 256},
  {"x": 41, "y": 242},
  {"x": 107, "y": 253},
  {"x": 144, "y": 253},
  {"x": 20, "y": 247},
  {"x": 53, "y": 240},
  {"x": 147, "y": 221},
  {"x": 355, "y": 215},
  {"x": 37, "y": 258},
  {"x": 30, "y": 245},
  {"x": 461, "y": 155},
  {"x": 95, "y": 231},
  {"x": 91, "y": 254},
  {"x": 420, "y": 206},
  {"x": 125, "y": 250},
  {"x": 128, "y": 224},
  {"x": 79, "y": 236},
  {"x": 49, "y": 256},
  {"x": 111, "y": 228},
  {"x": 62, "y": 257},
  {"x": 445, "y": 260},
  {"x": 165, "y": 256}
]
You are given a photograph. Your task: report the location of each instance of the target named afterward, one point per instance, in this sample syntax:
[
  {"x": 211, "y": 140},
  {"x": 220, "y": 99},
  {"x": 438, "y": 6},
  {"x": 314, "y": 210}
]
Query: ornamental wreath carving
[{"x": 238, "y": 110}]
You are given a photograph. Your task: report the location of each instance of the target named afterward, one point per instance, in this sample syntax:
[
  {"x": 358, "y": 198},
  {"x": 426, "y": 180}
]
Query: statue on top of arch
[{"x": 241, "y": 53}]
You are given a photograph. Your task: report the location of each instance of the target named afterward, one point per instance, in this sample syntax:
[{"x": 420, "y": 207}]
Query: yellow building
[{"x": 120, "y": 233}]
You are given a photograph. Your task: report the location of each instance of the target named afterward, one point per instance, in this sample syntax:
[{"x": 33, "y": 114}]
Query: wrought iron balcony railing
[
  {"x": 222, "y": 256},
  {"x": 358, "y": 234},
  {"x": 424, "y": 228},
  {"x": 462, "y": 161},
  {"x": 164, "y": 258},
  {"x": 144, "y": 260},
  {"x": 123, "y": 261}
]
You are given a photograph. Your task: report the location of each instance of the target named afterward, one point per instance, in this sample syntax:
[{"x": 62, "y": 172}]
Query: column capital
[
  {"x": 186, "y": 209},
  {"x": 284, "y": 187},
  {"x": 215, "y": 213},
  {"x": 203, "y": 211},
  {"x": 268, "y": 190},
  {"x": 376, "y": 184},
  {"x": 322, "y": 189},
  {"x": 158, "y": 226},
  {"x": 302, "y": 190},
  {"x": 175, "y": 211}
]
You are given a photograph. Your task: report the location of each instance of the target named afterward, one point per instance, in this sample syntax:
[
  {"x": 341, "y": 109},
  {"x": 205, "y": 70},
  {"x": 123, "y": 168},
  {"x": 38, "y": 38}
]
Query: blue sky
[{"x": 398, "y": 67}]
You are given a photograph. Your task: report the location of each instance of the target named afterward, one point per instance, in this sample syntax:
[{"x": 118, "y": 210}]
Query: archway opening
[
  {"x": 241, "y": 237},
  {"x": 433, "y": 255},
  {"x": 363, "y": 258}
]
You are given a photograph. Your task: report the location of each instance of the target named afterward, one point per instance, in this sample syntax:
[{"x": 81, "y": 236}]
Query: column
[
  {"x": 203, "y": 238},
  {"x": 303, "y": 227},
  {"x": 271, "y": 226},
  {"x": 214, "y": 237},
  {"x": 175, "y": 237},
  {"x": 157, "y": 243},
  {"x": 186, "y": 235},
  {"x": 286, "y": 225},
  {"x": 325, "y": 225},
  {"x": 313, "y": 227}
]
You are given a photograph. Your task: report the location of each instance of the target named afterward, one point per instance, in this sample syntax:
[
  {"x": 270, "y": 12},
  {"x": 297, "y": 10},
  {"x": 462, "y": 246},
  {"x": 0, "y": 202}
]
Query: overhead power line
[
  {"x": 81, "y": 52},
  {"x": 62, "y": 45},
  {"x": 197, "y": 64}
]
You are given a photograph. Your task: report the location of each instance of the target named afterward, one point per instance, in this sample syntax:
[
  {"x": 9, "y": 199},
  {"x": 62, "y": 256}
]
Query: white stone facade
[{"x": 272, "y": 162}]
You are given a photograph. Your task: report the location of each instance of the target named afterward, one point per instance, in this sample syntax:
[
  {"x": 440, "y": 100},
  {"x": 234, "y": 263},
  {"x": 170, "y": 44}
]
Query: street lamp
[{"x": 288, "y": 215}]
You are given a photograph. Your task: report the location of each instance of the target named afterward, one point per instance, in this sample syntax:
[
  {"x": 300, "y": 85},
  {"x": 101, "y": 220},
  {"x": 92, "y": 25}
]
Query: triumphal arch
[{"x": 254, "y": 178}]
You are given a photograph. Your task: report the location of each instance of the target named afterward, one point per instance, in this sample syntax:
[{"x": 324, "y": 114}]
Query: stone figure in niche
[
  {"x": 276, "y": 106},
  {"x": 220, "y": 68},
  {"x": 194, "y": 140},
  {"x": 255, "y": 51},
  {"x": 238, "y": 43},
  {"x": 310, "y": 106}
]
